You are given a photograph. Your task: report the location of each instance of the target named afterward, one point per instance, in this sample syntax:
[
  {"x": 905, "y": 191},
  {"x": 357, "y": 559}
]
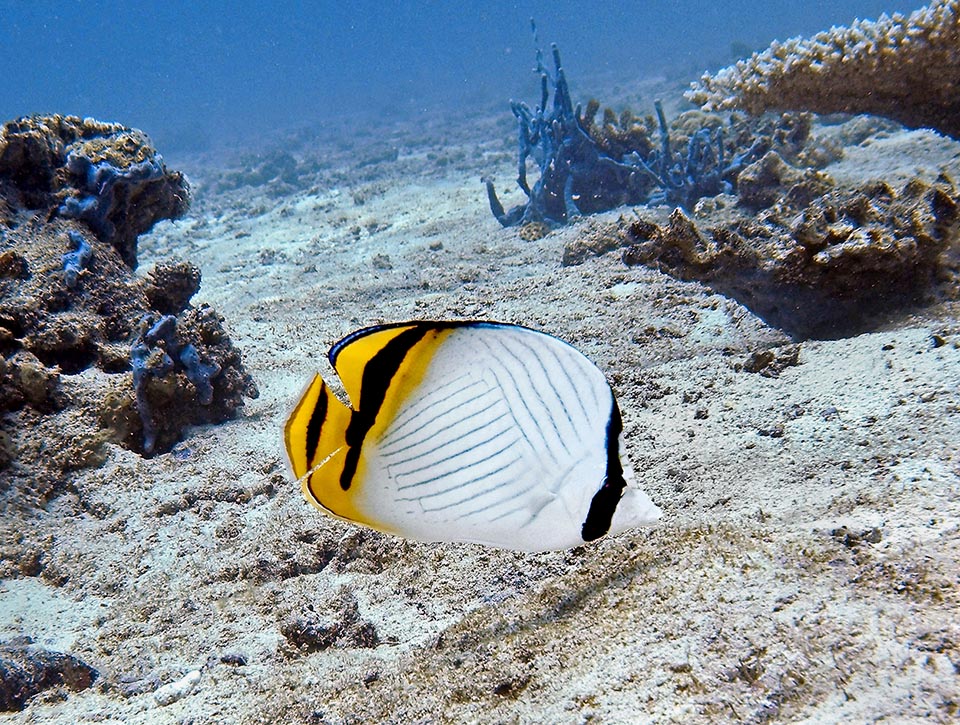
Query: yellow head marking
[{"x": 325, "y": 439}]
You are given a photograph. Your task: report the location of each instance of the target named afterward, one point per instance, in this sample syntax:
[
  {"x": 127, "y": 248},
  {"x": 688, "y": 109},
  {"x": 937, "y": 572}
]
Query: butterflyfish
[{"x": 467, "y": 431}]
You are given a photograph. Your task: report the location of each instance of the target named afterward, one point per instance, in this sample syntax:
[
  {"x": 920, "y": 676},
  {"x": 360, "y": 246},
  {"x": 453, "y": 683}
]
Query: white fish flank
[{"x": 505, "y": 423}]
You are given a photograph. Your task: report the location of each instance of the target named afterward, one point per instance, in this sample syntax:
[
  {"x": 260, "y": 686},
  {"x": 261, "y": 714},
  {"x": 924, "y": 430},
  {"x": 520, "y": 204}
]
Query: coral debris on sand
[
  {"x": 820, "y": 267},
  {"x": 904, "y": 68},
  {"x": 74, "y": 196}
]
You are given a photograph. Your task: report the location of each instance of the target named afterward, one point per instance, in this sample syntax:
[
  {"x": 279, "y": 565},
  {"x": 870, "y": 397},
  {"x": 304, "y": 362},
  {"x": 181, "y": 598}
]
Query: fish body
[{"x": 468, "y": 431}]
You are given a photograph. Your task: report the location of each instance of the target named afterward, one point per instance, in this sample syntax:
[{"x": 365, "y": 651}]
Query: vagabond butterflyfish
[{"x": 467, "y": 431}]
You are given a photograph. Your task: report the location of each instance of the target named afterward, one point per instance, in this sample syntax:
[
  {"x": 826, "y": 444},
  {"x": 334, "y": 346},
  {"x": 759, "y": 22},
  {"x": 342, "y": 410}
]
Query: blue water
[{"x": 191, "y": 72}]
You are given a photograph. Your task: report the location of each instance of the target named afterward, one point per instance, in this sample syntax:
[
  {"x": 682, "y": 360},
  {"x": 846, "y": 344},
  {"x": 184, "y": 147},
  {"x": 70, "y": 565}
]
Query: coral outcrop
[
  {"x": 815, "y": 264},
  {"x": 903, "y": 68},
  {"x": 78, "y": 363},
  {"x": 588, "y": 166},
  {"x": 576, "y": 177},
  {"x": 105, "y": 174}
]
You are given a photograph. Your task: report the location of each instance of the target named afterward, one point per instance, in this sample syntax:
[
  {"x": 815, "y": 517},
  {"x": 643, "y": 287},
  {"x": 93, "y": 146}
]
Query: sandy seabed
[{"x": 805, "y": 570}]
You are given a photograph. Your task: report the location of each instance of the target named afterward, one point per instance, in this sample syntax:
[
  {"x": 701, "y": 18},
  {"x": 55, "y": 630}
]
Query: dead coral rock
[
  {"x": 904, "y": 68},
  {"x": 618, "y": 135},
  {"x": 879, "y": 236},
  {"x": 770, "y": 363},
  {"x": 64, "y": 326},
  {"x": 31, "y": 382},
  {"x": 307, "y": 634},
  {"x": 764, "y": 182},
  {"x": 676, "y": 244},
  {"x": 169, "y": 287},
  {"x": 26, "y": 670},
  {"x": 33, "y": 149},
  {"x": 532, "y": 231},
  {"x": 596, "y": 239},
  {"x": 171, "y": 397},
  {"x": 827, "y": 269},
  {"x": 74, "y": 193},
  {"x": 104, "y": 174},
  {"x": 13, "y": 266}
]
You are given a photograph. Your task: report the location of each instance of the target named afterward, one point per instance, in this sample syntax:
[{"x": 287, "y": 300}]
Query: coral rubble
[
  {"x": 903, "y": 68},
  {"x": 815, "y": 264},
  {"x": 78, "y": 363}
]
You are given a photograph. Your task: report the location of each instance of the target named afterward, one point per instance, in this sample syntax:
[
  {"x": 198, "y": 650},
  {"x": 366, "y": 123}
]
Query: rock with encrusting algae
[
  {"x": 74, "y": 195},
  {"x": 104, "y": 174},
  {"x": 27, "y": 669},
  {"x": 825, "y": 268},
  {"x": 903, "y": 68}
]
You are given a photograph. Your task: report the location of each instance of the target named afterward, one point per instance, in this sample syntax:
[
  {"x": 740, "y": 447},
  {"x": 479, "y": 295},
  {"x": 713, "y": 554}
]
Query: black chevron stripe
[
  {"x": 377, "y": 375},
  {"x": 317, "y": 417}
]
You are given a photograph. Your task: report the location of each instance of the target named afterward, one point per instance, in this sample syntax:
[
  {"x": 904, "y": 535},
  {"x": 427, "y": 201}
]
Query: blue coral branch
[
  {"x": 99, "y": 189},
  {"x": 577, "y": 178},
  {"x": 156, "y": 353},
  {"x": 76, "y": 260}
]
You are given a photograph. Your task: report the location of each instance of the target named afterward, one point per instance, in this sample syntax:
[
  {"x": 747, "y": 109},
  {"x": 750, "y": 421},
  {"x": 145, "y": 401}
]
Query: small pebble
[
  {"x": 178, "y": 689},
  {"x": 829, "y": 413}
]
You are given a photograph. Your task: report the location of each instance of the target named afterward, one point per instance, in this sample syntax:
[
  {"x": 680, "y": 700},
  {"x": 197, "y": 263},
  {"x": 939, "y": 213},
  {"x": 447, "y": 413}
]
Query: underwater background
[
  {"x": 745, "y": 216},
  {"x": 194, "y": 74}
]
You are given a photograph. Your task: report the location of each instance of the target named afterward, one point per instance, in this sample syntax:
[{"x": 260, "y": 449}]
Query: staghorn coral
[
  {"x": 576, "y": 177},
  {"x": 588, "y": 166},
  {"x": 903, "y": 68}
]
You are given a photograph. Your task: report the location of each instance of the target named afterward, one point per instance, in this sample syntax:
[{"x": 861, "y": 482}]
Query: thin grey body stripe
[
  {"x": 388, "y": 454},
  {"x": 573, "y": 386},
  {"x": 394, "y": 441},
  {"x": 525, "y": 429},
  {"x": 462, "y": 484},
  {"x": 391, "y": 451},
  {"x": 445, "y": 459},
  {"x": 464, "y": 467},
  {"x": 499, "y": 502},
  {"x": 483, "y": 492},
  {"x": 518, "y": 392},
  {"x": 427, "y": 401},
  {"x": 540, "y": 399},
  {"x": 560, "y": 400},
  {"x": 510, "y": 512}
]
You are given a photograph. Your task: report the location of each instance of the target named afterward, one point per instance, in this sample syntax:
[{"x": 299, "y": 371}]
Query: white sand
[{"x": 740, "y": 607}]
